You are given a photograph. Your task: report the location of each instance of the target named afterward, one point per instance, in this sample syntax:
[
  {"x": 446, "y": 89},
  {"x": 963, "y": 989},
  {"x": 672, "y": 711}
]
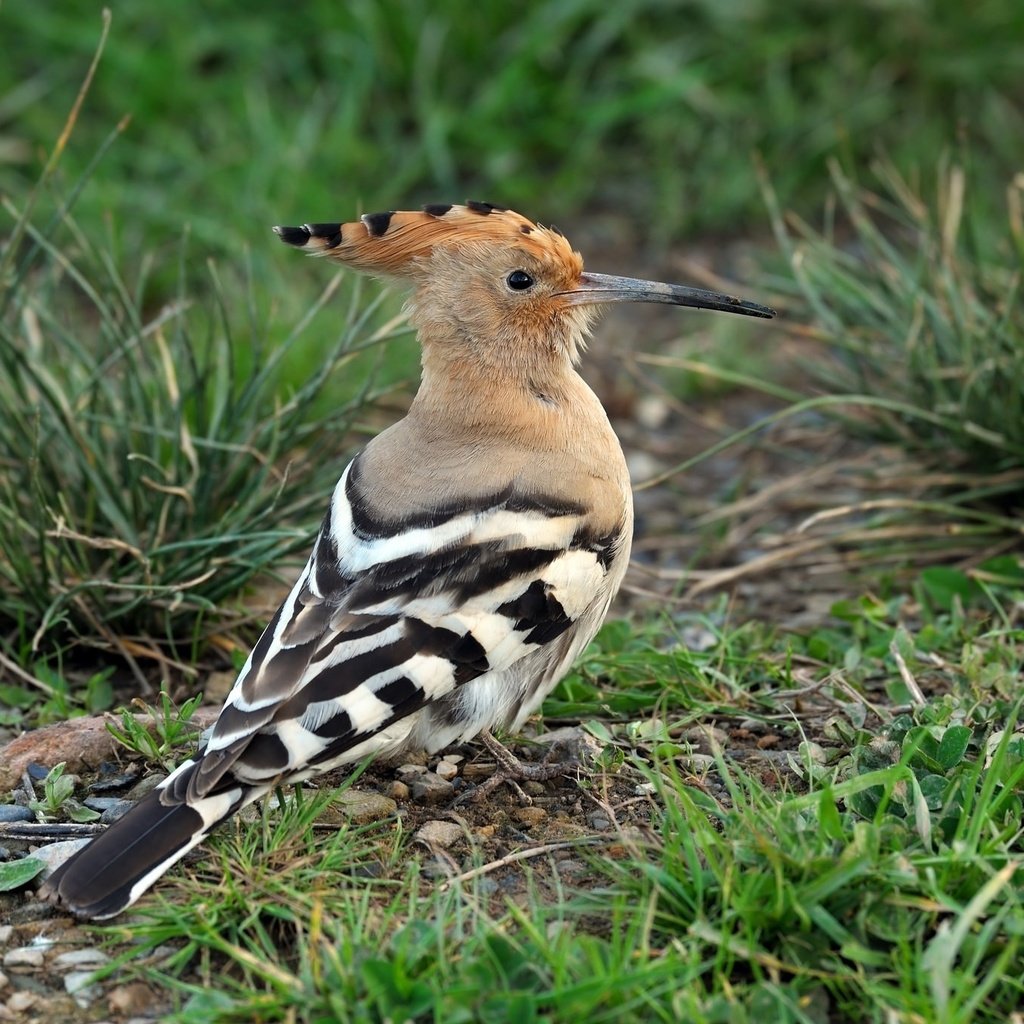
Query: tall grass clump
[
  {"x": 155, "y": 460},
  {"x": 917, "y": 301}
]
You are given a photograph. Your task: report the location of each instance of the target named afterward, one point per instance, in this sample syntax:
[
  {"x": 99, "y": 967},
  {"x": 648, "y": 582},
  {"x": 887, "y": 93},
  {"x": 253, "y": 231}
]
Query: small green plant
[
  {"x": 59, "y": 800},
  {"x": 162, "y": 738}
]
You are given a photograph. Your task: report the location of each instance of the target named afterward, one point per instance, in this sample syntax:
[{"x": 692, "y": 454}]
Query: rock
[
  {"x": 145, "y": 786},
  {"x": 599, "y": 821},
  {"x": 55, "y": 854},
  {"x": 440, "y": 833},
  {"x": 530, "y": 816},
  {"x": 80, "y": 742},
  {"x": 12, "y": 812},
  {"x": 707, "y": 734},
  {"x": 407, "y": 771},
  {"x": 6, "y": 931},
  {"x": 133, "y": 998},
  {"x": 79, "y": 985},
  {"x": 81, "y": 958},
  {"x": 428, "y": 788},
  {"x": 398, "y": 790},
  {"x": 24, "y": 958},
  {"x": 358, "y": 807},
  {"x": 22, "y": 1001},
  {"x": 3, "y": 981},
  {"x": 217, "y": 685},
  {"x": 113, "y": 779},
  {"x": 446, "y": 770},
  {"x": 118, "y": 810},
  {"x": 578, "y": 744}
]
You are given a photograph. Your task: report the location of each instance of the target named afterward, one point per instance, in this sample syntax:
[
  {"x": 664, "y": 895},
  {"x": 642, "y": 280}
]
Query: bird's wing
[{"x": 388, "y": 616}]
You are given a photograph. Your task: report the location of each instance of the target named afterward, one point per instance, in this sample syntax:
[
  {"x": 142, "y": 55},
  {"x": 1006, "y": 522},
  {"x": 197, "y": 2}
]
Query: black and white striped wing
[{"x": 388, "y": 617}]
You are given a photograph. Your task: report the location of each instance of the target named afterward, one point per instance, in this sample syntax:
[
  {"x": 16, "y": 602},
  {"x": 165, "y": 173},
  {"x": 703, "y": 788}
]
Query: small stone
[
  {"x": 23, "y": 958},
  {"x": 132, "y": 998},
  {"x": 22, "y": 1001},
  {"x": 708, "y": 734},
  {"x": 769, "y": 740},
  {"x": 146, "y": 785},
  {"x": 3, "y": 981},
  {"x": 79, "y": 984},
  {"x": 700, "y": 762},
  {"x": 428, "y": 788},
  {"x": 117, "y": 810},
  {"x": 217, "y": 686},
  {"x": 6, "y": 931},
  {"x": 440, "y": 833},
  {"x": 55, "y": 854},
  {"x": 12, "y": 812},
  {"x": 36, "y": 771},
  {"x": 101, "y": 803},
  {"x": 533, "y": 788},
  {"x": 81, "y": 958},
  {"x": 530, "y": 816},
  {"x": 446, "y": 770},
  {"x": 359, "y": 807},
  {"x": 406, "y": 771},
  {"x": 599, "y": 821},
  {"x": 398, "y": 791}
]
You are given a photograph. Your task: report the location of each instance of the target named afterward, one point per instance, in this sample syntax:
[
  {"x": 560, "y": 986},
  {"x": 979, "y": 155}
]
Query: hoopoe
[{"x": 470, "y": 551}]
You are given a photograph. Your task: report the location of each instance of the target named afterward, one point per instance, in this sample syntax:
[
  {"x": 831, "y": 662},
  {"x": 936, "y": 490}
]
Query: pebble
[
  {"x": 22, "y": 1001},
  {"x": 440, "y": 833},
  {"x": 55, "y": 854},
  {"x": 78, "y": 984},
  {"x": 22, "y": 958},
  {"x": 6, "y": 931},
  {"x": 36, "y": 771},
  {"x": 112, "y": 778},
  {"x": 428, "y": 788},
  {"x": 599, "y": 821},
  {"x": 12, "y": 812},
  {"x": 102, "y": 803},
  {"x": 709, "y": 734},
  {"x": 3, "y": 981},
  {"x": 146, "y": 785},
  {"x": 700, "y": 762},
  {"x": 81, "y": 958},
  {"x": 398, "y": 791},
  {"x": 359, "y": 807},
  {"x": 407, "y": 771},
  {"x": 446, "y": 770},
  {"x": 530, "y": 816},
  {"x": 117, "y": 810}
]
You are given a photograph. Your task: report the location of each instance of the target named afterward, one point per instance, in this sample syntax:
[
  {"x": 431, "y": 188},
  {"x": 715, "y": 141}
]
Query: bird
[{"x": 468, "y": 553}]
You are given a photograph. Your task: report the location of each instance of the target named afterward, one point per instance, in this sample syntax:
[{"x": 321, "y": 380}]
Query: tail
[{"x": 119, "y": 865}]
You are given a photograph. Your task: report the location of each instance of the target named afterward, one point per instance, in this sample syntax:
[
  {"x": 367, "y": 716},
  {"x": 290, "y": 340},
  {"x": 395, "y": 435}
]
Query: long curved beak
[{"x": 594, "y": 289}]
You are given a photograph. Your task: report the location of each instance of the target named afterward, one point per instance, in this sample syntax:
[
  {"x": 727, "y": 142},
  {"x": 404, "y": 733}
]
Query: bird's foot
[{"x": 511, "y": 771}]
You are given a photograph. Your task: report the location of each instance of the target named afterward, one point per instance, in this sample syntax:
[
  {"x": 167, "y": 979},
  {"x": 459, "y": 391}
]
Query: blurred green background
[
  {"x": 176, "y": 400},
  {"x": 244, "y": 115}
]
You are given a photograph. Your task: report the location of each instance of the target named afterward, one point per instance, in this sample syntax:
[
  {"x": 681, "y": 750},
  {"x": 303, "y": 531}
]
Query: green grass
[
  {"x": 872, "y": 874},
  {"x": 921, "y": 308},
  {"x": 243, "y": 118},
  {"x": 156, "y": 460}
]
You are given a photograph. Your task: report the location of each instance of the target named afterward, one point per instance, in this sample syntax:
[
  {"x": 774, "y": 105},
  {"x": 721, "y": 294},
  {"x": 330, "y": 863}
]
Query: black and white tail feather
[{"x": 415, "y": 633}]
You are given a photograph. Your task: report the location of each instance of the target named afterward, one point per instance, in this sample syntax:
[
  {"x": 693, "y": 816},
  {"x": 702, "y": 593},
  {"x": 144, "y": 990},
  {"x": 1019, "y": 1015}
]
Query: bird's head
[{"x": 490, "y": 284}]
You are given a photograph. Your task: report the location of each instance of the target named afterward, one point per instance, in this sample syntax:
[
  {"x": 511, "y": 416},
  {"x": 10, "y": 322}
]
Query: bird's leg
[{"x": 512, "y": 771}]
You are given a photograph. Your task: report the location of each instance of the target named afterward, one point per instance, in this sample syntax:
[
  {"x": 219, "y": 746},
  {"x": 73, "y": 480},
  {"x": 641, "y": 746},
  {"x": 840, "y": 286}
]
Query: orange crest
[{"x": 394, "y": 242}]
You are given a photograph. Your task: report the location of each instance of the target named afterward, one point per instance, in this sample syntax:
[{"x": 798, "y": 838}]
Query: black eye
[{"x": 519, "y": 280}]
